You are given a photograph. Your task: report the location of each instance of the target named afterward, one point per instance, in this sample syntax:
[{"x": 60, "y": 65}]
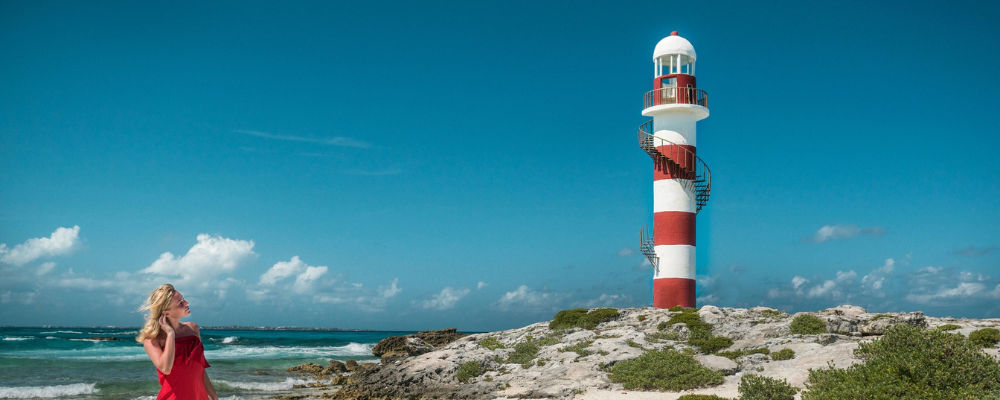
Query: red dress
[{"x": 187, "y": 377}]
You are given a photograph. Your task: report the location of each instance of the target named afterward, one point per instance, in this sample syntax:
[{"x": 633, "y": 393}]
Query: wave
[
  {"x": 51, "y": 332},
  {"x": 230, "y": 339},
  {"x": 18, "y": 338},
  {"x": 21, "y": 392},
  {"x": 108, "y": 352},
  {"x": 268, "y": 386},
  {"x": 239, "y": 352}
]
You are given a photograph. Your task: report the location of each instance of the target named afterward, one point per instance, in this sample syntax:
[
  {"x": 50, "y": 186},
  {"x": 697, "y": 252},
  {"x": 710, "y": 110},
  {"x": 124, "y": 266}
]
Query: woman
[{"x": 175, "y": 347}]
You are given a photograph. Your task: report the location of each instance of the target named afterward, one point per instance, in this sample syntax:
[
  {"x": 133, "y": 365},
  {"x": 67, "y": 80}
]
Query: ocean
[{"x": 63, "y": 363}]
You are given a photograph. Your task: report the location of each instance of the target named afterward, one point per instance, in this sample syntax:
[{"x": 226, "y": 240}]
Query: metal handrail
[
  {"x": 675, "y": 95},
  {"x": 647, "y": 248},
  {"x": 680, "y": 161}
]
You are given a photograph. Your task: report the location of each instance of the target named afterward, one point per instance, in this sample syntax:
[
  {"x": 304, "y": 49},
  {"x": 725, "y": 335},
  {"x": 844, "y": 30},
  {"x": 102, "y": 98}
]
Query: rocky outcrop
[
  {"x": 538, "y": 362},
  {"x": 413, "y": 345}
]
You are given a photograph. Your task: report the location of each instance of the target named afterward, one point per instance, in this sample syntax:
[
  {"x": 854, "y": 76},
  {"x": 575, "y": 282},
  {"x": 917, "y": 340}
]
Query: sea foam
[
  {"x": 230, "y": 339},
  {"x": 21, "y": 392},
  {"x": 18, "y": 338},
  {"x": 268, "y": 386}
]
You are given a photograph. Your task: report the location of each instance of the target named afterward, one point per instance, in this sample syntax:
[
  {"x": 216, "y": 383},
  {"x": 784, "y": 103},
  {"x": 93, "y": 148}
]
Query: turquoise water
[{"x": 246, "y": 364}]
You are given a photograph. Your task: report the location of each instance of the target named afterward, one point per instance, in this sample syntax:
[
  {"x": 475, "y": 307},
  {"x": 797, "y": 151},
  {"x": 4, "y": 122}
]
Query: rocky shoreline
[{"x": 543, "y": 360}]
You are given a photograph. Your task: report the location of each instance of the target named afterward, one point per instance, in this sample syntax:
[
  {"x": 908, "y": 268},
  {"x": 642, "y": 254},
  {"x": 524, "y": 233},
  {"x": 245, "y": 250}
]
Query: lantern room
[{"x": 673, "y": 73}]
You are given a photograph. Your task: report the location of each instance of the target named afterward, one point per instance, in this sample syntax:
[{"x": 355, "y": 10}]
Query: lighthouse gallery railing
[{"x": 675, "y": 95}]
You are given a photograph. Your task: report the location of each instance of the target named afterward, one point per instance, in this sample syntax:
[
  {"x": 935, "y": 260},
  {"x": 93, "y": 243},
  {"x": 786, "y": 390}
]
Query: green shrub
[
  {"x": 632, "y": 343},
  {"x": 676, "y": 308},
  {"x": 986, "y": 337},
  {"x": 548, "y": 340},
  {"x": 701, "y": 397},
  {"x": 881, "y": 316},
  {"x": 699, "y": 329},
  {"x": 580, "y": 318},
  {"x": 949, "y": 327},
  {"x": 712, "y": 344},
  {"x": 807, "y": 324},
  {"x": 783, "y": 354},
  {"x": 566, "y": 319},
  {"x": 664, "y": 370},
  {"x": 490, "y": 342},
  {"x": 732, "y": 355},
  {"x": 909, "y": 363},
  {"x": 662, "y": 325},
  {"x": 523, "y": 354},
  {"x": 468, "y": 370},
  {"x": 756, "y": 387},
  {"x": 642, "y": 318},
  {"x": 771, "y": 313},
  {"x": 658, "y": 336},
  {"x": 579, "y": 348}
]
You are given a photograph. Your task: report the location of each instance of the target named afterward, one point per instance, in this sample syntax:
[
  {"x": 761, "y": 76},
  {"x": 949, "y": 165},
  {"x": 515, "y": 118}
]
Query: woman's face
[{"x": 179, "y": 308}]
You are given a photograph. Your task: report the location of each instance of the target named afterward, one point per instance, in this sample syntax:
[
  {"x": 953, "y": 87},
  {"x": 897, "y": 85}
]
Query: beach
[{"x": 106, "y": 363}]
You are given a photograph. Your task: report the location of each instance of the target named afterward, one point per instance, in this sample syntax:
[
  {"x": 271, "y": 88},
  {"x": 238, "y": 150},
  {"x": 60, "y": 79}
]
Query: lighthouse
[{"x": 681, "y": 180}]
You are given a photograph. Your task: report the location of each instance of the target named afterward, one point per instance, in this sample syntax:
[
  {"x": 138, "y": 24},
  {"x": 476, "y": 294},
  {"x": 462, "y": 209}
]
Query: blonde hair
[{"x": 158, "y": 302}]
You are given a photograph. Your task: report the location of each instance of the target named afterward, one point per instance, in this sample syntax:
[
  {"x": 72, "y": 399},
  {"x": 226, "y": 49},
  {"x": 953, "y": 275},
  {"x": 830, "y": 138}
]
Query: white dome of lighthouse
[{"x": 674, "y": 45}]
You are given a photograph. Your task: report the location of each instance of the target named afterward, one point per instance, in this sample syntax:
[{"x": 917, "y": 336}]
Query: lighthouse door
[{"x": 668, "y": 91}]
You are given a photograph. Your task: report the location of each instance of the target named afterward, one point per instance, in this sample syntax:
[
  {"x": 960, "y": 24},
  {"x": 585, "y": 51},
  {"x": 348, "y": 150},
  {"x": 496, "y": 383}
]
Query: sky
[{"x": 423, "y": 165}]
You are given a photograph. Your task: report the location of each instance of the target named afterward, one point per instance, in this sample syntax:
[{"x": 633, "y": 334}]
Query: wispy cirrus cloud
[
  {"x": 341, "y": 141},
  {"x": 836, "y": 232}
]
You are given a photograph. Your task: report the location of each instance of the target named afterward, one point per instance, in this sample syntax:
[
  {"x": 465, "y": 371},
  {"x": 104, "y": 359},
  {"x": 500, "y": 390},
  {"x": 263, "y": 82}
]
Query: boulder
[
  {"x": 879, "y": 326},
  {"x": 717, "y": 363},
  {"x": 307, "y": 368},
  {"x": 416, "y": 344},
  {"x": 351, "y": 365},
  {"x": 336, "y": 367}
]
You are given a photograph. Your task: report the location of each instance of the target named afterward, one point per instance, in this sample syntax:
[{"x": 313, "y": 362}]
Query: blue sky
[{"x": 433, "y": 164}]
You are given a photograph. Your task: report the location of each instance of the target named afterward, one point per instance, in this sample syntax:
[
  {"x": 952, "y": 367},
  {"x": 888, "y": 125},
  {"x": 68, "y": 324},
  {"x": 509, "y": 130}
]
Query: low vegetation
[
  {"x": 524, "y": 353},
  {"x": 701, "y": 332},
  {"x": 660, "y": 336},
  {"x": 949, "y": 327},
  {"x": 641, "y": 318},
  {"x": 771, "y": 313},
  {"x": 580, "y": 348},
  {"x": 701, "y": 397},
  {"x": 712, "y": 344},
  {"x": 756, "y": 387},
  {"x": 581, "y": 318},
  {"x": 987, "y": 337},
  {"x": 490, "y": 342},
  {"x": 783, "y": 354},
  {"x": 881, "y": 316},
  {"x": 807, "y": 324},
  {"x": 468, "y": 370},
  {"x": 909, "y": 363},
  {"x": 745, "y": 352},
  {"x": 664, "y": 370}
]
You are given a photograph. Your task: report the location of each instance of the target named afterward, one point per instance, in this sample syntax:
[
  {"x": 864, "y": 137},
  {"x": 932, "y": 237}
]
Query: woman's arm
[
  {"x": 163, "y": 358},
  {"x": 209, "y": 388}
]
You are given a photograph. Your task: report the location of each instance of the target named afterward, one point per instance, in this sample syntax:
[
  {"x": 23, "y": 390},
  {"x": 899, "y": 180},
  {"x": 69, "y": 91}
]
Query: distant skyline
[{"x": 404, "y": 166}]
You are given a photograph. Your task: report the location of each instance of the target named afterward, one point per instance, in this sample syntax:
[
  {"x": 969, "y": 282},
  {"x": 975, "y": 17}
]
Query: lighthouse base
[{"x": 670, "y": 292}]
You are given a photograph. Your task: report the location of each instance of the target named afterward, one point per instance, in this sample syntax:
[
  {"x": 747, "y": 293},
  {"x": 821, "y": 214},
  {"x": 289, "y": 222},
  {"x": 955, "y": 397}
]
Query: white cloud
[
  {"x": 824, "y": 289},
  {"x": 846, "y": 276},
  {"x": 875, "y": 280},
  {"x": 392, "y": 290},
  {"x": 524, "y": 298},
  {"x": 710, "y": 299},
  {"x": 60, "y": 242},
  {"x": 481, "y": 285},
  {"x": 444, "y": 300},
  {"x": 835, "y": 232},
  {"x": 605, "y": 300},
  {"x": 798, "y": 281},
  {"x": 281, "y": 270},
  {"x": 45, "y": 268},
  {"x": 209, "y": 257},
  {"x": 625, "y": 252},
  {"x": 303, "y": 282},
  {"x": 964, "y": 289},
  {"x": 331, "y": 141}
]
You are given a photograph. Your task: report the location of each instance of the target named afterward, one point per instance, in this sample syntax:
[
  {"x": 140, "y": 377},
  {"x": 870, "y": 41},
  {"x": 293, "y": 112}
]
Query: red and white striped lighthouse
[{"x": 681, "y": 180}]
